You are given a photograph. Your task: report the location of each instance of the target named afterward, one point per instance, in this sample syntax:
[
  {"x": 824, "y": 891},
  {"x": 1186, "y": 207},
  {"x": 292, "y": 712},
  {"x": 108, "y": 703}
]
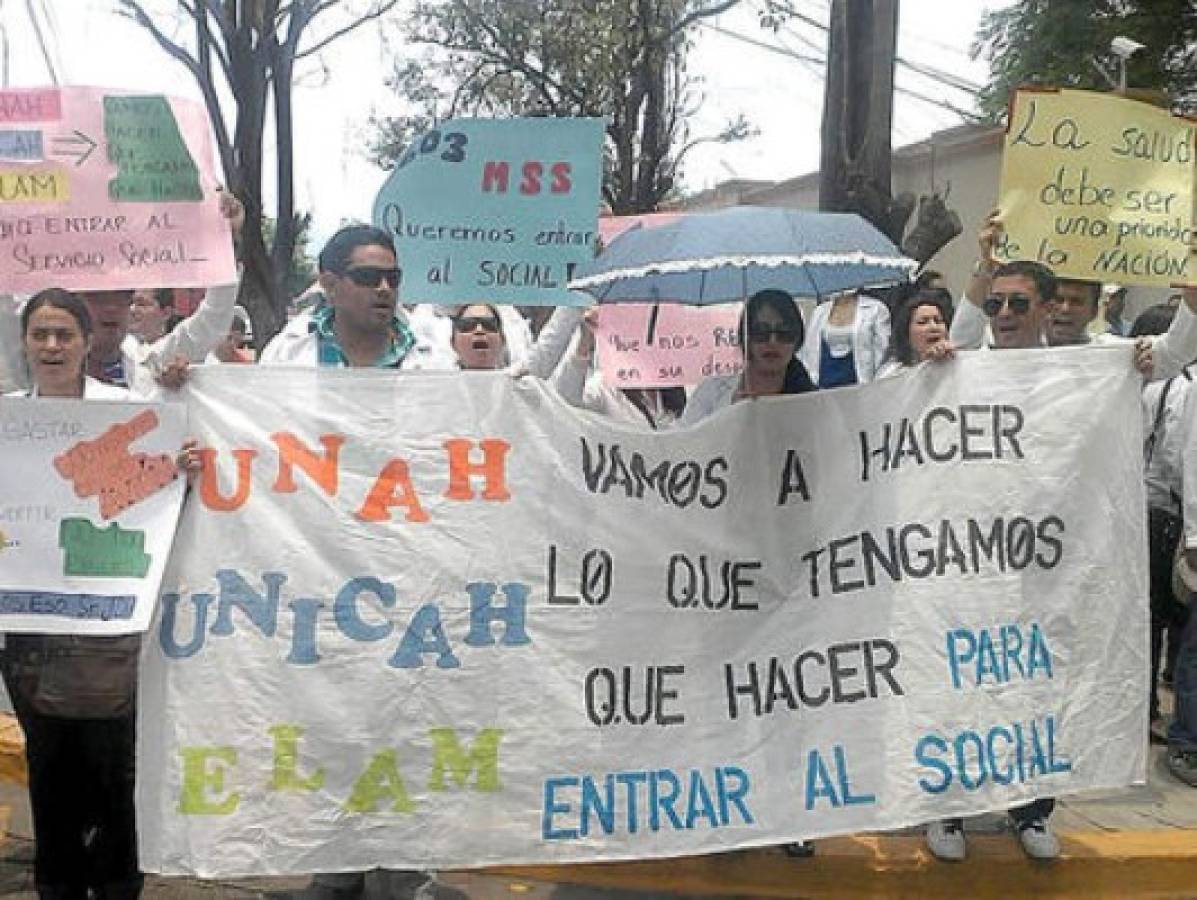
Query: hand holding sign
[{"x": 106, "y": 190}]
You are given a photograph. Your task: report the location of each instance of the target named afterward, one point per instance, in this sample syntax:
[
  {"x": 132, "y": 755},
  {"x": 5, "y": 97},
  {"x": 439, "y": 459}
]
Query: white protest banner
[
  {"x": 444, "y": 620},
  {"x": 89, "y": 499},
  {"x": 495, "y": 211},
  {"x": 667, "y": 344},
  {"x": 1099, "y": 187},
  {"x": 104, "y": 189}
]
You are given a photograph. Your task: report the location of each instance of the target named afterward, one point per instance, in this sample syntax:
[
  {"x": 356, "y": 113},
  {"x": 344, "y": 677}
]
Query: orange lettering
[
  {"x": 493, "y": 468},
  {"x": 383, "y": 495},
  {"x": 209, "y": 485},
  {"x": 294, "y": 452}
]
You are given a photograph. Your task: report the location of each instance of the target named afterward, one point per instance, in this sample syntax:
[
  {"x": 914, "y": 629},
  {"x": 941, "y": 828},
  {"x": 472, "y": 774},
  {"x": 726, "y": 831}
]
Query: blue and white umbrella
[{"x": 730, "y": 254}]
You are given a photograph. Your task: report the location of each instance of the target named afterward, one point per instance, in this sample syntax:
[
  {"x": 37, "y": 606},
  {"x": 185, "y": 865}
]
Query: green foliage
[
  {"x": 301, "y": 271},
  {"x": 1056, "y": 43},
  {"x": 620, "y": 59}
]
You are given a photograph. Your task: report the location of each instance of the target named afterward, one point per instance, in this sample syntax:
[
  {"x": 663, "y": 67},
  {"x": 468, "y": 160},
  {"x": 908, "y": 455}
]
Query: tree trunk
[{"x": 854, "y": 174}]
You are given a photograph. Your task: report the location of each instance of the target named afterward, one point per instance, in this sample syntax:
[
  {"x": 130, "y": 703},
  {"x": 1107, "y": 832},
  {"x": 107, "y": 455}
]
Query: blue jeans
[{"x": 1182, "y": 733}]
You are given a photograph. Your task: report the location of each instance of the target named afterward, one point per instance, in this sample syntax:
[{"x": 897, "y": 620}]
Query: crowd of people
[{"x": 124, "y": 345}]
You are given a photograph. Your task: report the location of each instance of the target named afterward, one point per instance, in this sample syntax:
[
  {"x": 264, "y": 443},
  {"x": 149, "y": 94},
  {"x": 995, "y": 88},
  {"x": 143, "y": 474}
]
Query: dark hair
[
  {"x": 58, "y": 299},
  {"x": 1094, "y": 288},
  {"x": 924, "y": 279},
  {"x": 336, "y": 253},
  {"x": 797, "y": 380},
  {"x": 1045, "y": 280},
  {"x": 1153, "y": 320},
  {"x": 899, "y": 336},
  {"x": 164, "y": 297}
]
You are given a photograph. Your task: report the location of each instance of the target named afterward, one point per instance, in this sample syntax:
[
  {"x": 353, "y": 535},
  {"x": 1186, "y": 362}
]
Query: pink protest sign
[
  {"x": 667, "y": 344},
  {"x": 107, "y": 189}
]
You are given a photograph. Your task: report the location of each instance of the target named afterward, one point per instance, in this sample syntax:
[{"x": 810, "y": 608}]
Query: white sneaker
[
  {"x": 1037, "y": 839},
  {"x": 945, "y": 840}
]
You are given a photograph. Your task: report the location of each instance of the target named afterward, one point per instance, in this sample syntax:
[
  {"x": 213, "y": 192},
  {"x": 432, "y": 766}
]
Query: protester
[
  {"x": 478, "y": 339},
  {"x": 1182, "y": 732},
  {"x": 920, "y": 331},
  {"x": 119, "y": 358},
  {"x": 1157, "y": 358},
  {"x": 75, "y": 696},
  {"x": 1073, "y": 308},
  {"x": 356, "y": 321},
  {"x": 580, "y": 384},
  {"x": 847, "y": 340},
  {"x": 1018, "y": 306},
  {"x": 774, "y": 334},
  {"x": 1163, "y": 414},
  {"x": 150, "y": 313},
  {"x": 233, "y": 348}
]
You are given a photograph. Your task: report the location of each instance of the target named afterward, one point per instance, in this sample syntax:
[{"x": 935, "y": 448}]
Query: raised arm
[{"x": 968, "y": 324}]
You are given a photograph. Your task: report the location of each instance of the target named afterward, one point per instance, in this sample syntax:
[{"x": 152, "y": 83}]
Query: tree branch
[
  {"x": 380, "y": 10},
  {"x": 702, "y": 12},
  {"x": 132, "y": 9}
]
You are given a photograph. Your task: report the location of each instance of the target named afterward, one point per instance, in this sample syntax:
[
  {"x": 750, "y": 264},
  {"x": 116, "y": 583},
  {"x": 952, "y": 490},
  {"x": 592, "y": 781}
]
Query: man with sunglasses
[
  {"x": 357, "y": 322},
  {"x": 1157, "y": 358}
]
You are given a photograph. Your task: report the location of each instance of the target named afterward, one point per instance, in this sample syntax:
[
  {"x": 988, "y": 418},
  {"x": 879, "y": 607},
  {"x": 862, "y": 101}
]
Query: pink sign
[
  {"x": 667, "y": 344},
  {"x": 105, "y": 189}
]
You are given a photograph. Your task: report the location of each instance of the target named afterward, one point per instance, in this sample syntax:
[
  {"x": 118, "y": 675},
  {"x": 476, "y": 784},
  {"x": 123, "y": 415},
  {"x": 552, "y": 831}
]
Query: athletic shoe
[
  {"x": 945, "y": 840},
  {"x": 1037, "y": 839},
  {"x": 1183, "y": 764}
]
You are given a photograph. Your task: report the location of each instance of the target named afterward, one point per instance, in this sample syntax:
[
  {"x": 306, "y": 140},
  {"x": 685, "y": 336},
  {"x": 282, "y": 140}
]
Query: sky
[{"x": 335, "y": 96}]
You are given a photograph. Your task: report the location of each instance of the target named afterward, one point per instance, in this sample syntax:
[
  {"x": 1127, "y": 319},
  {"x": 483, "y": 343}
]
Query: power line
[
  {"x": 939, "y": 103},
  {"x": 948, "y": 78}
]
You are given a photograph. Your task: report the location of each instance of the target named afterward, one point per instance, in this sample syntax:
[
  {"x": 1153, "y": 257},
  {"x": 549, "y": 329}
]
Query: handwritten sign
[
  {"x": 89, "y": 499},
  {"x": 107, "y": 190},
  {"x": 510, "y": 632},
  {"x": 495, "y": 211},
  {"x": 668, "y": 344},
  {"x": 1099, "y": 187}
]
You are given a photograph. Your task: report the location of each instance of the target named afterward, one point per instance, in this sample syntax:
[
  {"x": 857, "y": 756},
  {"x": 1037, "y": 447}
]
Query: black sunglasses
[
  {"x": 762, "y": 334},
  {"x": 372, "y": 276},
  {"x": 1019, "y": 303},
  {"x": 466, "y": 324}
]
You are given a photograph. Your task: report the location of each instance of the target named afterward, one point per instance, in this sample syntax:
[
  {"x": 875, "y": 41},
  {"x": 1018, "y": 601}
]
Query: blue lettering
[
  {"x": 553, "y": 808},
  {"x": 424, "y": 634},
  {"x": 349, "y": 620},
  {"x": 483, "y": 612},
  {"x": 922, "y": 757}
]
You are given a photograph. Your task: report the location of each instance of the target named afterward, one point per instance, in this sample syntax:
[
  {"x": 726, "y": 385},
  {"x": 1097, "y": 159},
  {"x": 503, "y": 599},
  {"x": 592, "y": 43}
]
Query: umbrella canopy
[{"x": 730, "y": 254}]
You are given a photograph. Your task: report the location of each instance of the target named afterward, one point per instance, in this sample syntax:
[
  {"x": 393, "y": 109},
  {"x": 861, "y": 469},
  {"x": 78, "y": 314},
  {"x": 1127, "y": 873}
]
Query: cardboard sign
[
  {"x": 488, "y": 211},
  {"x": 102, "y": 189},
  {"x": 663, "y": 345},
  {"x": 89, "y": 500},
  {"x": 423, "y": 622},
  {"x": 1099, "y": 187}
]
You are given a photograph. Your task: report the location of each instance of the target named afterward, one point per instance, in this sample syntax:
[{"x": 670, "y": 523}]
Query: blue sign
[
  {"x": 495, "y": 211},
  {"x": 22, "y": 146}
]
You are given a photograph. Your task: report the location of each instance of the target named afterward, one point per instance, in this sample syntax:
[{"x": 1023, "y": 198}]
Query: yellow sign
[
  {"x": 34, "y": 186},
  {"x": 1099, "y": 187}
]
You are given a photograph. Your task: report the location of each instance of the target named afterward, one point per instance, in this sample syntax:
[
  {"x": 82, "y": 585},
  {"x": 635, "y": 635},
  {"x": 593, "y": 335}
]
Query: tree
[
  {"x": 858, "y": 105},
  {"x": 248, "y": 49},
  {"x": 623, "y": 59},
  {"x": 301, "y": 271},
  {"x": 1063, "y": 43}
]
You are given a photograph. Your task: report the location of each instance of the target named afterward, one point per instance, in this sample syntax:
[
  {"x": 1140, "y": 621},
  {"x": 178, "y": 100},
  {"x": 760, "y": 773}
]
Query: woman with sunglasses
[
  {"x": 773, "y": 328},
  {"x": 75, "y": 696},
  {"x": 478, "y": 338},
  {"x": 920, "y": 331}
]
